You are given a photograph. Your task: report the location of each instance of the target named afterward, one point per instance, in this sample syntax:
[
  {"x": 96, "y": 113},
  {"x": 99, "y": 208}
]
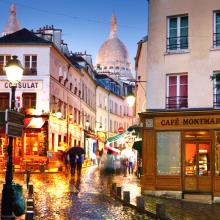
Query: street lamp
[
  {"x": 87, "y": 123},
  {"x": 131, "y": 100},
  {"x": 14, "y": 72}
]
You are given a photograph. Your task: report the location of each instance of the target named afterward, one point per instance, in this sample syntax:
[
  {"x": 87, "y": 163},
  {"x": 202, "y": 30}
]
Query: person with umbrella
[{"x": 76, "y": 159}]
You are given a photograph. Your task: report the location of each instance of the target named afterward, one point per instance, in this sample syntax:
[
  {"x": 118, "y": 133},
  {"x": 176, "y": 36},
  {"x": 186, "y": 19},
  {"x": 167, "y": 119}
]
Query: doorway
[{"x": 197, "y": 166}]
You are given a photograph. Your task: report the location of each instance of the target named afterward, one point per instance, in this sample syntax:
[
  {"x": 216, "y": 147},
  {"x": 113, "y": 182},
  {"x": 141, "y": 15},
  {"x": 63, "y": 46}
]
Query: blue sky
[{"x": 84, "y": 23}]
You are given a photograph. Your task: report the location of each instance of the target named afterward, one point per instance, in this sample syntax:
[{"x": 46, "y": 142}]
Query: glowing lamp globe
[{"x": 14, "y": 70}]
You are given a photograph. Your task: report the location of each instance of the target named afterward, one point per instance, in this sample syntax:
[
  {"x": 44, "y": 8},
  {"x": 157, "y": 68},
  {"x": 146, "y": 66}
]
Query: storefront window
[
  {"x": 168, "y": 153},
  {"x": 217, "y": 153}
]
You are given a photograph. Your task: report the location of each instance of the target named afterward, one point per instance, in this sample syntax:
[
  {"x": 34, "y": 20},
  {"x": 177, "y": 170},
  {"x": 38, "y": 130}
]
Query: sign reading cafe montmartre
[
  {"x": 29, "y": 84},
  {"x": 204, "y": 121}
]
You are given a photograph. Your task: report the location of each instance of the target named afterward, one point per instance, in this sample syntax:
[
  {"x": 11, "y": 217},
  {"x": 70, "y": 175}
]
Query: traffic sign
[
  {"x": 121, "y": 130},
  {"x": 14, "y": 130},
  {"x": 14, "y": 117}
]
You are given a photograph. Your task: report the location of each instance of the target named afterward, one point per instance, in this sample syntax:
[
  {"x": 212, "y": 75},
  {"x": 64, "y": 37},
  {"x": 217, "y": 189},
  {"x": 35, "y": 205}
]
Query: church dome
[
  {"x": 113, "y": 57},
  {"x": 111, "y": 52}
]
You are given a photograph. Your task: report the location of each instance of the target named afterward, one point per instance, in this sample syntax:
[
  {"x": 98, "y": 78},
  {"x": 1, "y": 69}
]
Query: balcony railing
[
  {"x": 176, "y": 102},
  {"x": 177, "y": 43},
  {"x": 216, "y": 98},
  {"x": 216, "y": 39}
]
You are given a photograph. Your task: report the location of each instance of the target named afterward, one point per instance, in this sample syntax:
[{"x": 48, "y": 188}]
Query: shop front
[
  {"x": 181, "y": 153},
  {"x": 90, "y": 145}
]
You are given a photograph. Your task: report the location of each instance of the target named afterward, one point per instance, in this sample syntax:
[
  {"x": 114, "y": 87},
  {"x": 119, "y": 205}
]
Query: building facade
[
  {"x": 181, "y": 124},
  {"x": 53, "y": 83}
]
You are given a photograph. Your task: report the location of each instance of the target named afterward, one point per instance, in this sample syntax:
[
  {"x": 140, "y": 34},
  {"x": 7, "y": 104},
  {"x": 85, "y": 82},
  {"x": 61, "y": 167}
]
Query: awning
[
  {"x": 118, "y": 137},
  {"x": 34, "y": 122},
  {"x": 138, "y": 146}
]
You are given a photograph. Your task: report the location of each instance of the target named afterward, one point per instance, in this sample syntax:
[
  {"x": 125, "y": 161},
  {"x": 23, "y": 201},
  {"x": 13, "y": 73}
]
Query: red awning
[{"x": 34, "y": 122}]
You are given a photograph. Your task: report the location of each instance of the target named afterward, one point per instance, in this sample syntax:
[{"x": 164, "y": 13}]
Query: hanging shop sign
[{"x": 186, "y": 122}]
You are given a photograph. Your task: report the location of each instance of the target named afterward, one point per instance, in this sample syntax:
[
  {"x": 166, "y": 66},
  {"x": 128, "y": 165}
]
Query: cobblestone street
[{"x": 58, "y": 196}]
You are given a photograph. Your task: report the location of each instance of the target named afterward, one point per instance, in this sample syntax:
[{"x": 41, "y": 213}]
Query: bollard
[
  {"x": 29, "y": 215},
  {"x": 140, "y": 202},
  {"x": 160, "y": 211},
  {"x": 114, "y": 187},
  {"x": 118, "y": 191},
  {"x": 126, "y": 196},
  {"x": 30, "y": 189}
]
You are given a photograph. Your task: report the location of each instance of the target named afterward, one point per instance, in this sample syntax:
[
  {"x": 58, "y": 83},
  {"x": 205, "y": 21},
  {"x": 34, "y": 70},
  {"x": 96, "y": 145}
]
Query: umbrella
[
  {"x": 76, "y": 151},
  {"x": 114, "y": 150}
]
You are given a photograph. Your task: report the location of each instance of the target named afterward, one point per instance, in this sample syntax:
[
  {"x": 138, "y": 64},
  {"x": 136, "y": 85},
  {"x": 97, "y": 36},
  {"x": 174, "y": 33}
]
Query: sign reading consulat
[{"x": 24, "y": 85}]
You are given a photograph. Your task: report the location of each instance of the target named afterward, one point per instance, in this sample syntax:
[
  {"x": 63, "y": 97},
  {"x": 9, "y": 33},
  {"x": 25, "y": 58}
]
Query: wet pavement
[{"x": 60, "y": 196}]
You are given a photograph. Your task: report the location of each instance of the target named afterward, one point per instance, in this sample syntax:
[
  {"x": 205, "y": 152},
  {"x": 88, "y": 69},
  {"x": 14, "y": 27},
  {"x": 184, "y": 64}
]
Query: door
[{"x": 197, "y": 167}]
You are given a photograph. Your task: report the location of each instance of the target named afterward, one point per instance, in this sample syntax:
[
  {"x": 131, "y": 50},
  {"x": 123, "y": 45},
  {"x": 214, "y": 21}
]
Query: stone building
[{"x": 182, "y": 122}]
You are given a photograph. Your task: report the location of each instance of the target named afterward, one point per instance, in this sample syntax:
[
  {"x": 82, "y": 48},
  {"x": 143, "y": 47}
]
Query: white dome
[
  {"x": 112, "y": 52},
  {"x": 113, "y": 57}
]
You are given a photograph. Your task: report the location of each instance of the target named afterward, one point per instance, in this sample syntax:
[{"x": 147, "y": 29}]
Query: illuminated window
[
  {"x": 177, "y": 91},
  {"x": 29, "y": 100},
  {"x": 168, "y": 153}
]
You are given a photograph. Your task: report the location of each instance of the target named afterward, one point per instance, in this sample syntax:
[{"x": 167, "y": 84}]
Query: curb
[{"x": 160, "y": 211}]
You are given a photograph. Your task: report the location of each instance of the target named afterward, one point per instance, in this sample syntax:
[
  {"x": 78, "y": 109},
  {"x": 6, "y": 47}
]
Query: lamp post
[{"x": 14, "y": 72}]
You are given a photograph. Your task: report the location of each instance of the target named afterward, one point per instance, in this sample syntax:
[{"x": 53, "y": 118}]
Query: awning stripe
[{"x": 118, "y": 137}]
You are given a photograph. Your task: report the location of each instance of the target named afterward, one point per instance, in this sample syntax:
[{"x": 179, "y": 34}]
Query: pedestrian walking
[
  {"x": 124, "y": 165},
  {"x": 131, "y": 161},
  {"x": 79, "y": 162},
  {"x": 72, "y": 159},
  {"x": 74, "y": 154}
]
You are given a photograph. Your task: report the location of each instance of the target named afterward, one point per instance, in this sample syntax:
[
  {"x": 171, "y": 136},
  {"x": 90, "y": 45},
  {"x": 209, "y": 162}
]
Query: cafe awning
[
  {"x": 118, "y": 137},
  {"x": 34, "y": 122}
]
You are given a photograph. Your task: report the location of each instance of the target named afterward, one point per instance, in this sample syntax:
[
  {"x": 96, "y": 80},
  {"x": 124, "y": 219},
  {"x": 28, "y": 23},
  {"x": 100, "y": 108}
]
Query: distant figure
[
  {"x": 76, "y": 158},
  {"x": 131, "y": 161},
  {"x": 124, "y": 165},
  {"x": 72, "y": 158},
  {"x": 79, "y": 162}
]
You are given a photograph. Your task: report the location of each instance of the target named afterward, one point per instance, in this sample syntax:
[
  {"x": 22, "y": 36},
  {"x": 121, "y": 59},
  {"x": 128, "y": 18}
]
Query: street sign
[
  {"x": 121, "y": 130},
  {"x": 14, "y": 130},
  {"x": 14, "y": 117}
]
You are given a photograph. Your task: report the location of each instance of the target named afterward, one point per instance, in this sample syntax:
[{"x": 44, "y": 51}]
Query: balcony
[
  {"x": 177, "y": 43},
  {"x": 176, "y": 102}
]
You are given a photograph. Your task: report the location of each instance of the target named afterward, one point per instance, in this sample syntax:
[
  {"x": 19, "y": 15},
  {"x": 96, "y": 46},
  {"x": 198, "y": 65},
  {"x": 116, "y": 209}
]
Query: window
[
  {"x": 216, "y": 41},
  {"x": 4, "y": 101},
  {"x": 177, "y": 91},
  {"x": 30, "y": 65},
  {"x": 177, "y": 38},
  {"x": 168, "y": 153},
  {"x": 216, "y": 97},
  {"x": 29, "y": 100},
  {"x": 3, "y": 60}
]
